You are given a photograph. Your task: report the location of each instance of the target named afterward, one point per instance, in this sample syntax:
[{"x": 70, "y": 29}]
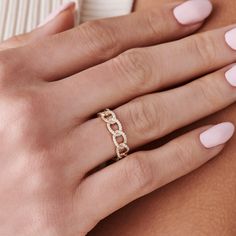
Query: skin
[
  {"x": 63, "y": 22},
  {"x": 202, "y": 203},
  {"x": 37, "y": 175}
]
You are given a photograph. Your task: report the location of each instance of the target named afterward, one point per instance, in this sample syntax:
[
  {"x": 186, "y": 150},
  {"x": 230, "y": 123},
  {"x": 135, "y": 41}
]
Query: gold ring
[{"x": 119, "y": 138}]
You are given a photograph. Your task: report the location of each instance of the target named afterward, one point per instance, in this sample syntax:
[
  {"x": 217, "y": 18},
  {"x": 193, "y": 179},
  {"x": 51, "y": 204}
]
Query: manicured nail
[
  {"x": 193, "y": 11},
  {"x": 230, "y": 38},
  {"x": 231, "y": 76},
  {"x": 57, "y": 12},
  {"x": 217, "y": 135}
]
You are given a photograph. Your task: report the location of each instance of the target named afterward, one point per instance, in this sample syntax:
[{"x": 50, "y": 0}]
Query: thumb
[{"x": 58, "y": 21}]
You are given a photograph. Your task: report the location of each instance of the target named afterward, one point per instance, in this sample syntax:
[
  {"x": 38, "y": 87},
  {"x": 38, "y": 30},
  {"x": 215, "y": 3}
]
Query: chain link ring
[{"x": 122, "y": 148}]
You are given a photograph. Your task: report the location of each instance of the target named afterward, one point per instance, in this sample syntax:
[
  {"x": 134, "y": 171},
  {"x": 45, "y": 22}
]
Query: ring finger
[
  {"x": 151, "y": 117},
  {"x": 144, "y": 70}
]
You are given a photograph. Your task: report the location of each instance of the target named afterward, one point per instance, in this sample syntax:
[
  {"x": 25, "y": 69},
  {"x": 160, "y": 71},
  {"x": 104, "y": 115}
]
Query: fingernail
[
  {"x": 231, "y": 76},
  {"x": 217, "y": 135},
  {"x": 58, "y": 11},
  {"x": 230, "y": 38},
  {"x": 193, "y": 11}
]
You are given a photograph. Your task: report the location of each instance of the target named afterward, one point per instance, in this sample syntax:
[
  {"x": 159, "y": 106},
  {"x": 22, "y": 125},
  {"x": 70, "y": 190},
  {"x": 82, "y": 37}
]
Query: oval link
[
  {"x": 119, "y": 134},
  {"x": 122, "y": 151},
  {"x": 112, "y": 131},
  {"x": 108, "y": 116}
]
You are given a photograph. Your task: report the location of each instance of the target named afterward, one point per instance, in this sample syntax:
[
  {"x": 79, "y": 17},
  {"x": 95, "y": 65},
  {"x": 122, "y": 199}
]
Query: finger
[
  {"x": 151, "y": 117},
  {"x": 98, "y": 41},
  {"x": 143, "y": 172},
  {"x": 60, "y": 20},
  {"x": 142, "y": 4},
  {"x": 146, "y": 70}
]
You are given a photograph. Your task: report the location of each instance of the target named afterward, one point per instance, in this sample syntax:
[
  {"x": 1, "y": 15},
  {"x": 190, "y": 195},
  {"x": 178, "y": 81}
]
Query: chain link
[{"x": 118, "y": 136}]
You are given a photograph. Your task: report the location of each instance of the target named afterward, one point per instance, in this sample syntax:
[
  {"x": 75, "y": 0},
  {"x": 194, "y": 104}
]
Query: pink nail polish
[
  {"x": 231, "y": 76},
  {"x": 58, "y": 11},
  {"x": 230, "y": 38},
  {"x": 217, "y": 135},
  {"x": 193, "y": 11}
]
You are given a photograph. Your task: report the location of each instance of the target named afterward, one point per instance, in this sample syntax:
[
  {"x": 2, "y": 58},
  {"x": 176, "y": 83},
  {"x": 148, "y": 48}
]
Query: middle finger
[
  {"x": 96, "y": 41},
  {"x": 141, "y": 71}
]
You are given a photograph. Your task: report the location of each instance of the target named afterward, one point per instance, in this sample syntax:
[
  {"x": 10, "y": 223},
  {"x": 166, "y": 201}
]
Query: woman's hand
[{"x": 51, "y": 142}]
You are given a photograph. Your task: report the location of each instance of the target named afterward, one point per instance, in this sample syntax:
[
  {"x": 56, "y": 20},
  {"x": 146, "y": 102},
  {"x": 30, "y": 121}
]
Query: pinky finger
[{"x": 143, "y": 172}]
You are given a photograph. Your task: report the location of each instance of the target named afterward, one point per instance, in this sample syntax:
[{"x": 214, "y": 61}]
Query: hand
[{"x": 50, "y": 142}]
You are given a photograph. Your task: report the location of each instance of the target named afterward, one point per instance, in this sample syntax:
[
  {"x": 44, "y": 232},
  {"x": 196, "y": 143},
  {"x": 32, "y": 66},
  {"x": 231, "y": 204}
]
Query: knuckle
[
  {"x": 107, "y": 44},
  {"x": 132, "y": 65},
  {"x": 152, "y": 17},
  {"x": 205, "y": 46},
  {"x": 23, "y": 114},
  {"x": 139, "y": 173},
  {"x": 143, "y": 116},
  {"x": 26, "y": 105},
  {"x": 210, "y": 92},
  {"x": 184, "y": 156}
]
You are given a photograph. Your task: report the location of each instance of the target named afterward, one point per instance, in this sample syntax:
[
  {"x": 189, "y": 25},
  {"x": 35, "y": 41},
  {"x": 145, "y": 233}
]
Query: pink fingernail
[
  {"x": 193, "y": 11},
  {"x": 217, "y": 135},
  {"x": 58, "y": 11},
  {"x": 231, "y": 76},
  {"x": 230, "y": 38}
]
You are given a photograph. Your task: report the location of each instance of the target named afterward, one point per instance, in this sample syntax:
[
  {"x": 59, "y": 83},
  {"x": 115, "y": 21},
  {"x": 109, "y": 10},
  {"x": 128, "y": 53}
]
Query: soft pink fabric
[
  {"x": 217, "y": 135},
  {"x": 193, "y": 11}
]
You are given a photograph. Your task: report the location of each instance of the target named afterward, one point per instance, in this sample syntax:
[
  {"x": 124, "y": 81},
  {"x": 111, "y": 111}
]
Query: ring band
[{"x": 115, "y": 128}]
